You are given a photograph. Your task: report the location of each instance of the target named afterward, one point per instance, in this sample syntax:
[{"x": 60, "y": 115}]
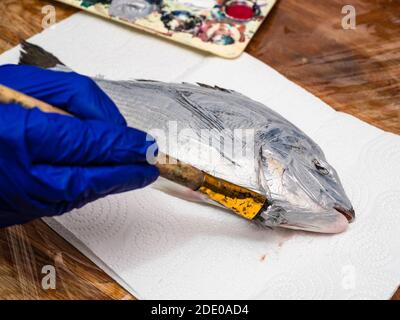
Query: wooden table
[{"x": 356, "y": 71}]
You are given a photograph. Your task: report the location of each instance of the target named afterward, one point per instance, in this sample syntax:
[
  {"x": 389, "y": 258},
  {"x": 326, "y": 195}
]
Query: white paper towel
[{"x": 160, "y": 247}]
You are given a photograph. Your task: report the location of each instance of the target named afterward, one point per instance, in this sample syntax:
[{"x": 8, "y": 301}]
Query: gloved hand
[{"x": 51, "y": 163}]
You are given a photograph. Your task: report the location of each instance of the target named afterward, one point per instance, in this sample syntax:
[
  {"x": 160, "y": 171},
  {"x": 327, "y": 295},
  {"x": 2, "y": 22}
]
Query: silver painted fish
[{"x": 282, "y": 162}]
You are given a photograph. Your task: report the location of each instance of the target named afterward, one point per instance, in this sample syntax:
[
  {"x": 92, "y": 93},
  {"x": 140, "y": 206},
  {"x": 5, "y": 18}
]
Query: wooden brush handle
[
  {"x": 179, "y": 172},
  {"x": 170, "y": 168},
  {"x": 8, "y": 95}
]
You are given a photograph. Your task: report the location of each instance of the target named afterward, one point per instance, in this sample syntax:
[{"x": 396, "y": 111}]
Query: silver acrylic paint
[{"x": 131, "y": 10}]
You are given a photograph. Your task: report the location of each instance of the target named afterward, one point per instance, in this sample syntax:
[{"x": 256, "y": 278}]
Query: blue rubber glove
[{"x": 50, "y": 163}]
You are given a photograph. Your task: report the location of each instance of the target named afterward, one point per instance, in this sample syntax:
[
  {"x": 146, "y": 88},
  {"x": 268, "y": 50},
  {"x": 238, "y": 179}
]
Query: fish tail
[{"x": 34, "y": 55}]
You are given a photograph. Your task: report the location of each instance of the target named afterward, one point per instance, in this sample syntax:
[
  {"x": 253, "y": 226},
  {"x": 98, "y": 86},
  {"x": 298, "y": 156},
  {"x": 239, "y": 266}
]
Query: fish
[{"x": 251, "y": 145}]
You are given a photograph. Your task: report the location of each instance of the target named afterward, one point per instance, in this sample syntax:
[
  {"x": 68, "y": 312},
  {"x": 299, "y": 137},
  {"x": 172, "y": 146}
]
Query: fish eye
[{"x": 320, "y": 168}]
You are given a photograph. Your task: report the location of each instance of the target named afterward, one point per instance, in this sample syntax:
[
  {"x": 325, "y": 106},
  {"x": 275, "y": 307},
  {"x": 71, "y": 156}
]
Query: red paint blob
[{"x": 238, "y": 10}]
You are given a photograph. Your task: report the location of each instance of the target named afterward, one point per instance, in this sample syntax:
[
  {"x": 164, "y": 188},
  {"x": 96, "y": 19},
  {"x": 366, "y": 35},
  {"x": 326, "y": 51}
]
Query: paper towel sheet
[{"x": 160, "y": 247}]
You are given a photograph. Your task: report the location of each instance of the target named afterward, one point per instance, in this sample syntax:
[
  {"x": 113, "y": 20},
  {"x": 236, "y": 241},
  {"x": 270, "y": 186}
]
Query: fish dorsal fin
[
  {"x": 34, "y": 55},
  {"x": 203, "y": 85}
]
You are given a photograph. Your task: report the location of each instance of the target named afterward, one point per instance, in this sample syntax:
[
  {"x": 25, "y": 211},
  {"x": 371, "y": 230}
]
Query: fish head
[{"x": 304, "y": 190}]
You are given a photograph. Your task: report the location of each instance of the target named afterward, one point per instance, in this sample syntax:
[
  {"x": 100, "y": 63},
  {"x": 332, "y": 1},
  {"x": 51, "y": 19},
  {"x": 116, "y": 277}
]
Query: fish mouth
[{"x": 348, "y": 213}]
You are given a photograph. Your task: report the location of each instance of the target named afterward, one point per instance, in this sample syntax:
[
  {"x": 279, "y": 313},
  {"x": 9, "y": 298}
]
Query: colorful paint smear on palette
[{"x": 222, "y": 27}]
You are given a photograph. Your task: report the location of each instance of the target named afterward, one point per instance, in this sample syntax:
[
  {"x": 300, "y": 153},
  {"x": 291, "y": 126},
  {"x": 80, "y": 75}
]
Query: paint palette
[{"x": 222, "y": 27}]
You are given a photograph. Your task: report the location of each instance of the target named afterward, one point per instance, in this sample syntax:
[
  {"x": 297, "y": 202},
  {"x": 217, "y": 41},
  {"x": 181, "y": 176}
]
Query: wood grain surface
[{"x": 355, "y": 71}]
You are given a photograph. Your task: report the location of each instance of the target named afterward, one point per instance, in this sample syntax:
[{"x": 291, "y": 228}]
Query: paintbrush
[{"x": 242, "y": 201}]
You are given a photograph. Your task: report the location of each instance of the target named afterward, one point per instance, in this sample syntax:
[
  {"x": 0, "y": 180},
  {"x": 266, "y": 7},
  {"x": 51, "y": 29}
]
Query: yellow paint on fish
[{"x": 242, "y": 201}]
